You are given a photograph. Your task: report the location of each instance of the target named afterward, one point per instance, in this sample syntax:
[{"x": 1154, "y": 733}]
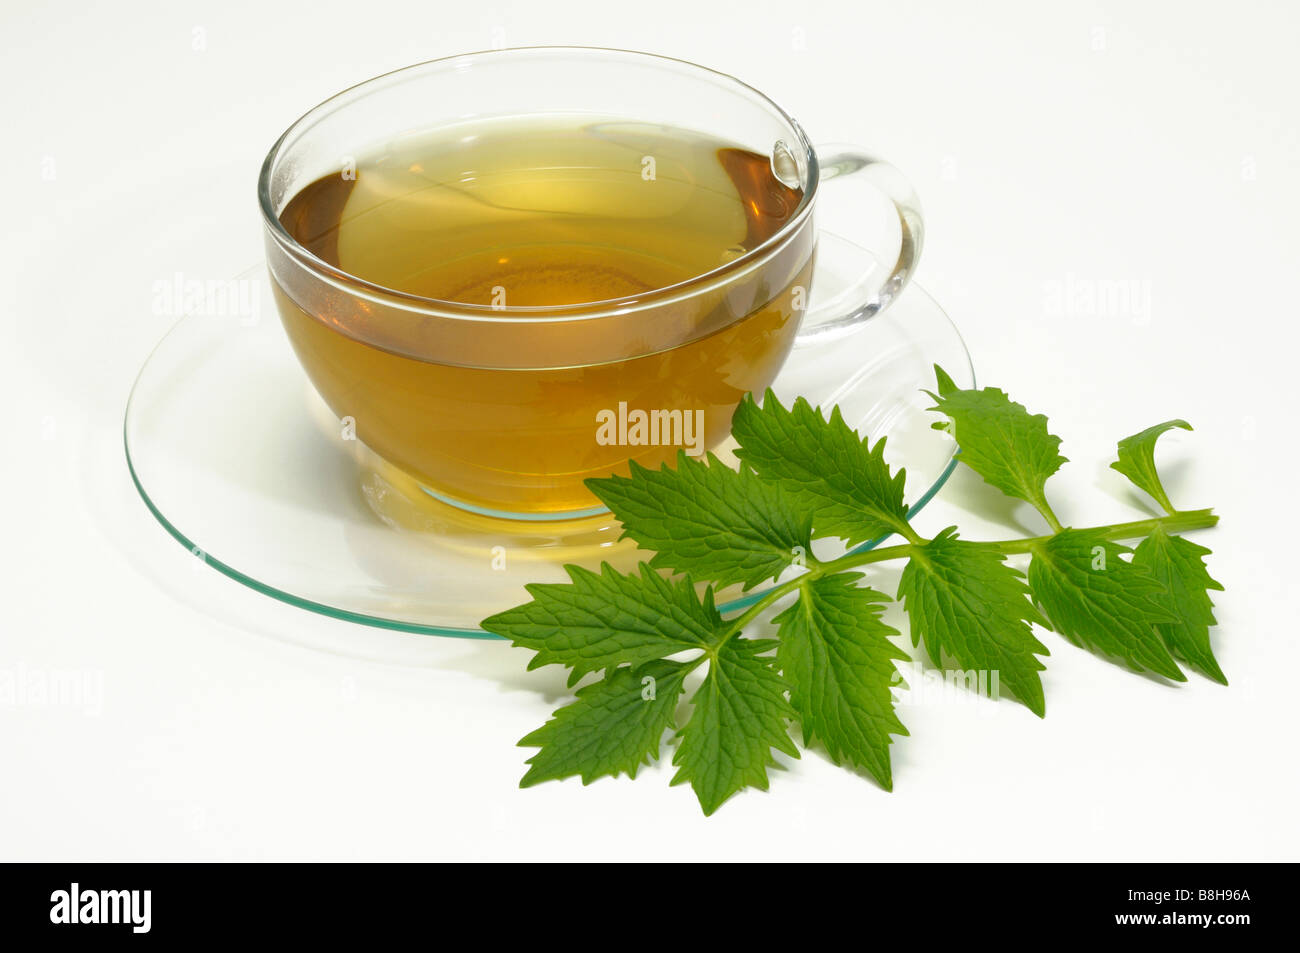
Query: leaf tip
[
  {"x": 944, "y": 382},
  {"x": 530, "y": 779}
]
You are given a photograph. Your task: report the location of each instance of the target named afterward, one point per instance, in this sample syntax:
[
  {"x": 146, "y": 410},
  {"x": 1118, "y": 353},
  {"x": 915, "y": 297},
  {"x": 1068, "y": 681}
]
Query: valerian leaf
[
  {"x": 964, "y": 600},
  {"x": 824, "y": 467},
  {"x": 1100, "y": 601},
  {"x": 836, "y": 654},
  {"x": 714, "y": 522},
  {"x": 616, "y": 725},
  {"x": 739, "y": 714},
  {"x": 805, "y": 476},
  {"x": 1137, "y": 460},
  {"x": 606, "y": 619},
  {"x": 999, "y": 439},
  {"x": 1178, "y": 564}
]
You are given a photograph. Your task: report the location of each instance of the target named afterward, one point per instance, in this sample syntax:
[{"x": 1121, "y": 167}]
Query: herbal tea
[{"x": 511, "y": 410}]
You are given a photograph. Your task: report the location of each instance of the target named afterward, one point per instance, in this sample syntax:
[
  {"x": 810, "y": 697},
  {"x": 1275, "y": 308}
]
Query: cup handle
[{"x": 866, "y": 296}]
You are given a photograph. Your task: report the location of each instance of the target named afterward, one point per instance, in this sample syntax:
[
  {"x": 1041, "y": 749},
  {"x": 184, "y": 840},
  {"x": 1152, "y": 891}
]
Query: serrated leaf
[
  {"x": 836, "y": 655},
  {"x": 603, "y": 620},
  {"x": 824, "y": 467},
  {"x": 1137, "y": 460},
  {"x": 615, "y": 725},
  {"x": 1100, "y": 601},
  {"x": 739, "y": 714},
  {"x": 964, "y": 599},
  {"x": 1178, "y": 564},
  {"x": 999, "y": 439},
  {"x": 709, "y": 520}
]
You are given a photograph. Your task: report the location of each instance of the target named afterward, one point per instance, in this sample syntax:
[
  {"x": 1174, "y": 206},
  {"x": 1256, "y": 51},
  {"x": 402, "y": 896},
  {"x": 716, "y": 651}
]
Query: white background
[{"x": 1051, "y": 143}]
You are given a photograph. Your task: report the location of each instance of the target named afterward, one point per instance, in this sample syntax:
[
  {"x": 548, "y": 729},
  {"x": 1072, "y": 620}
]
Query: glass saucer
[{"x": 239, "y": 460}]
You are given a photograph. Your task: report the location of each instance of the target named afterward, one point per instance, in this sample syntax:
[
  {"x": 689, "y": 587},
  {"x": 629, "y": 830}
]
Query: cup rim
[{"x": 691, "y": 287}]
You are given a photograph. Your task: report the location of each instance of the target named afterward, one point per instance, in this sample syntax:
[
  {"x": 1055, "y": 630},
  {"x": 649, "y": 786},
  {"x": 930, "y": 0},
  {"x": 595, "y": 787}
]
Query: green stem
[
  {"x": 1048, "y": 514},
  {"x": 904, "y": 529},
  {"x": 1176, "y": 522},
  {"x": 1162, "y": 498}
]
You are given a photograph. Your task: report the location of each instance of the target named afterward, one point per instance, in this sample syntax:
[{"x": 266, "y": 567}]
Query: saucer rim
[{"x": 729, "y": 607}]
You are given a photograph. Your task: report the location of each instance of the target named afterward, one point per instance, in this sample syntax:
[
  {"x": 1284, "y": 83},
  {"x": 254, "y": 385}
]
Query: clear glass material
[
  {"x": 479, "y": 424},
  {"x": 255, "y": 465},
  {"x": 240, "y": 460}
]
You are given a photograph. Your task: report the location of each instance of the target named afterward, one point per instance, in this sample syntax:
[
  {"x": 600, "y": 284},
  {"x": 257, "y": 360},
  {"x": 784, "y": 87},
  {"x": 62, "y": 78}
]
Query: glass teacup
[{"x": 640, "y": 293}]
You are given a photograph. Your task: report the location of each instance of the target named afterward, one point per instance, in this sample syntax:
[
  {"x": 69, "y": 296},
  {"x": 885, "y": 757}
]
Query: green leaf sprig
[{"x": 832, "y": 669}]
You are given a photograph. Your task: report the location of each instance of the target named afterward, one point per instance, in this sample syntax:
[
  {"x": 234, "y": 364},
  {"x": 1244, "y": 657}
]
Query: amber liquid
[{"x": 543, "y": 215}]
